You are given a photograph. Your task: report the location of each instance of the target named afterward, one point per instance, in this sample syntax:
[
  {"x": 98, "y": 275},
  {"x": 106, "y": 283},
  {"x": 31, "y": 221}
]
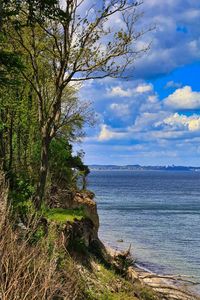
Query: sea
[{"x": 156, "y": 212}]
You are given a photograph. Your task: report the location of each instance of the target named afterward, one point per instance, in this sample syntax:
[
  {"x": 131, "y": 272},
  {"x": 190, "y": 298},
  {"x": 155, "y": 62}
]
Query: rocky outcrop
[
  {"x": 86, "y": 201},
  {"x": 83, "y": 231},
  {"x": 78, "y": 232},
  {"x": 71, "y": 200}
]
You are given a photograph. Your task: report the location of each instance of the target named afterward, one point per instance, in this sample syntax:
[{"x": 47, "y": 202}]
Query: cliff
[
  {"x": 61, "y": 257},
  {"x": 144, "y": 285}
]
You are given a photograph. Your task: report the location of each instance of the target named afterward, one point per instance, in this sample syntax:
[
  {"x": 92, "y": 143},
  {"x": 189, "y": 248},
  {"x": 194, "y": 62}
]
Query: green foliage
[
  {"x": 66, "y": 168},
  {"x": 20, "y": 198},
  {"x": 59, "y": 160},
  {"x": 147, "y": 294},
  {"x": 62, "y": 215},
  {"x": 21, "y": 211},
  {"x": 22, "y": 190}
]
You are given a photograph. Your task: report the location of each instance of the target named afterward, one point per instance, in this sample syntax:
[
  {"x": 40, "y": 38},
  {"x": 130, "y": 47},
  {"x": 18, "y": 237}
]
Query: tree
[
  {"x": 9, "y": 61},
  {"x": 70, "y": 45}
]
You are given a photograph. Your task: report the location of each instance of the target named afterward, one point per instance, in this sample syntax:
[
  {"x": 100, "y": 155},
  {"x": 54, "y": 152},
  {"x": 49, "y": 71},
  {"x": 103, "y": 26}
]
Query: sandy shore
[{"x": 170, "y": 287}]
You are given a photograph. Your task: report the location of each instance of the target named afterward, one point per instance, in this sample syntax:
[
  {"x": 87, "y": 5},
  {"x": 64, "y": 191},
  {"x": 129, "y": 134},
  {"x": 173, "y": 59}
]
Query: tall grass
[{"x": 41, "y": 271}]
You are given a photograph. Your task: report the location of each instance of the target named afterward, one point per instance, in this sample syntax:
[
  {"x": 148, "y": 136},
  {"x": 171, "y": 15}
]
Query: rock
[{"x": 89, "y": 205}]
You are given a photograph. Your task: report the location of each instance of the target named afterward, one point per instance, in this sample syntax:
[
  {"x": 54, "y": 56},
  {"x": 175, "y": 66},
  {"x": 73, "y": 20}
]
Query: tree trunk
[{"x": 43, "y": 173}]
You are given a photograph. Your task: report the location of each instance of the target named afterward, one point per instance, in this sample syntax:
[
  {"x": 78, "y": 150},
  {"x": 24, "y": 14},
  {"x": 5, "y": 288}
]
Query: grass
[
  {"x": 111, "y": 286},
  {"x": 62, "y": 215},
  {"x": 34, "y": 270}
]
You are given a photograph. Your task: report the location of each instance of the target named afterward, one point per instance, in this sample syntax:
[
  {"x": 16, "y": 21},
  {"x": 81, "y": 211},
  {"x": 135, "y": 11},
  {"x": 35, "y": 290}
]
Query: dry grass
[
  {"x": 3, "y": 197},
  {"x": 28, "y": 271},
  {"x": 42, "y": 271}
]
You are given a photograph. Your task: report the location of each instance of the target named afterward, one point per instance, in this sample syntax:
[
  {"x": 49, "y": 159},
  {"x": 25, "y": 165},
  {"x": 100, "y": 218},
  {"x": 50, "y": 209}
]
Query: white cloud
[
  {"x": 107, "y": 134},
  {"x": 144, "y": 88},
  {"x": 146, "y": 120},
  {"x": 183, "y": 98},
  {"x": 194, "y": 125},
  {"x": 177, "y": 121},
  {"x": 120, "y": 110},
  {"x": 177, "y": 28},
  {"x": 120, "y": 92}
]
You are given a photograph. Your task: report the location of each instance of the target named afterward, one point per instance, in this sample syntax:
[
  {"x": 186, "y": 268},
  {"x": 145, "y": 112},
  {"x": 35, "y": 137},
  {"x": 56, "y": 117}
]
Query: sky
[{"x": 153, "y": 118}]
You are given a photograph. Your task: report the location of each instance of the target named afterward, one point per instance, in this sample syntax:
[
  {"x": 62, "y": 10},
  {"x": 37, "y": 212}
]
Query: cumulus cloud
[
  {"x": 120, "y": 92},
  {"x": 107, "y": 134},
  {"x": 183, "y": 98},
  {"x": 132, "y": 113},
  {"x": 144, "y": 88},
  {"x": 177, "y": 28},
  {"x": 177, "y": 121},
  {"x": 194, "y": 125}
]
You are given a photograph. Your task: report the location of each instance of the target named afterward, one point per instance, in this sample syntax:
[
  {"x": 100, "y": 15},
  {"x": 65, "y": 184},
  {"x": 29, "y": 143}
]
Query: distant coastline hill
[{"x": 141, "y": 168}]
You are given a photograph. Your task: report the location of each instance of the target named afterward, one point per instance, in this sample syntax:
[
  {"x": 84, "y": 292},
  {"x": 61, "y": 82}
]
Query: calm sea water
[{"x": 158, "y": 212}]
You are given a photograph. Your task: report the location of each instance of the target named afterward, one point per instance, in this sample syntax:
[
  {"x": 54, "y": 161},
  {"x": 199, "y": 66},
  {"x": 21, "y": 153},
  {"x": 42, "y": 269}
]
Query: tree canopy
[{"x": 46, "y": 48}]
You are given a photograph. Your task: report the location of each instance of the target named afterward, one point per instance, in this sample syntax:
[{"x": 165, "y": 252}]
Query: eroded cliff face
[
  {"x": 87, "y": 202},
  {"x": 72, "y": 200},
  {"x": 84, "y": 231}
]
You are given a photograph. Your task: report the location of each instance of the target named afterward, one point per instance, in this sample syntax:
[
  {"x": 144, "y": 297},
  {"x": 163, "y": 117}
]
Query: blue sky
[{"x": 154, "y": 117}]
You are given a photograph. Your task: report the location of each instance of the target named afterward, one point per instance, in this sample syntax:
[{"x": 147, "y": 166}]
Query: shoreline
[{"x": 168, "y": 286}]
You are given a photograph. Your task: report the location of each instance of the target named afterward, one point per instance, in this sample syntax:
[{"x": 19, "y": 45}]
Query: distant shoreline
[{"x": 142, "y": 169}]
